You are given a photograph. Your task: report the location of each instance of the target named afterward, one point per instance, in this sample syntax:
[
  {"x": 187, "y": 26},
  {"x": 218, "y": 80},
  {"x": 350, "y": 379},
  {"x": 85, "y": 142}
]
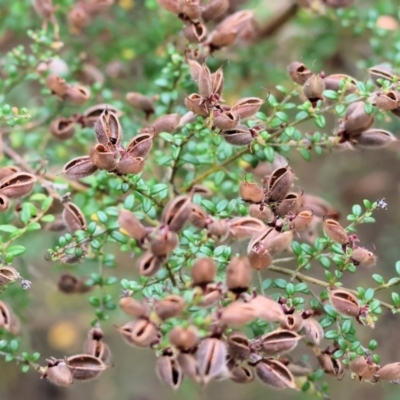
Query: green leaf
[
  {"x": 357, "y": 210},
  {"x": 305, "y": 154},
  {"x": 8, "y": 228},
  {"x": 190, "y": 159},
  {"x": 330, "y": 94},
  {"x": 33, "y": 227},
  {"x": 48, "y": 218},
  {"x": 369, "y": 295},
  {"x": 129, "y": 202},
  {"x": 398, "y": 267},
  {"x": 331, "y": 334},
  {"x": 16, "y": 250},
  {"x": 378, "y": 278},
  {"x": 119, "y": 237},
  {"x": 102, "y": 216},
  {"x": 396, "y": 299},
  {"x": 280, "y": 283}
]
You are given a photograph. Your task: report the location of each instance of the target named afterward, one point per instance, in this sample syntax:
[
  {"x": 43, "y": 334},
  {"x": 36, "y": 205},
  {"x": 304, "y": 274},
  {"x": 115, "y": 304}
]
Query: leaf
[
  {"x": 33, "y": 227},
  {"x": 48, "y": 218},
  {"x": 8, "y": 228},
  {"x": 16, "y": 250}
]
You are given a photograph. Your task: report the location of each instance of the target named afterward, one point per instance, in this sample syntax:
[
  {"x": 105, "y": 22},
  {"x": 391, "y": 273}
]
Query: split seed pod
[
  {"x": 4, "y": 203},
  {"x": 278, "y": 243},
  {"x": 169, "y": 307},
  {"x": 389, "y": 372},
  {"x": 214, "y": 9},
  {"x": 131, "y": 226},
  {"x": 102, "y": 157},
  {"x": 382, "y": 72},
  {"x": 140, "y": 145},
  {"x": 363, "y": 368},
  {"x": 217, "y": 79},
  {"x": 95, "y": 346},
  {"x": 261, "y": 212},
  {"x": 8, "y": 275},
  {"x": 293, "y": 322},
  {"x": 8, "y": 171},
  {"x": 141, "y": 102},
  {"x": 195, "y": 103},
  {"x": 387, "y": 101},
  {"x": 77, "y": 94},
  {"x": 108, "y": 128},
  {"x": 194, "y": 69},
  {"x": 238, "y": 136},
  {"x": 85, "y": 367},
  {"x": 373, "y": 139},
  {"x": 198, "y": 217},
  {"x": 238, "y": 275},
  {"x": 292, "y": 202},
  {"x": 17, "y": 185},
  {"x": 166, "y": 123},
  {"x": 195, "y": 32},
  {"x": 334, "y": 82},
  {"x": 177, "y": 212},
  {"x": 130, "y": 165},
  {"x": 335, "y": 231},
  {"x": 280, "y": 341},
  {"x": 184, "y": 339},
  {"x": 238, "y": 346},
  {"x": 313, "y": 330},
  {"x": 251, "y": 192},
  {"x": 62, "y": 128},
  {"x": 279, "y": 183},
  {"x": 92, "y": 114},
  {"x": 58, "y": 373},
  {"x": 301, "y": 221},
  {"x": 79, "y": 167},
  {"x": 247, "y": 106},
  {"x": 237, "y": 314},
  {"x": 245, "y": 227},
  {"x": 203, "y": 271},
  {"x": 356, "y": 119},
  {"x": 163, "y": 242},
  {"x": 219, "y": 39},
  {"x": 267, "y": 308},
  {"x": 8, "y": 320},
  {"x": 190, "y": 10},
  {"x": 169, "y": 371},
  {"x": 344, "y": 302},
  {"x": 211, "y": 359},
  {"x": 133, "y": 307},
  {"x": 363, "y": 257},
  {"x": 149, "y": 264},
  {"x": 226, "y": 120},
  {"x": 57, "y": 85},
  {"x": 211, "y": 296},
  {"x": 140, "y": 333},
  {"x": 330, "y": 365},
  {"x": 189, "y": 366},
  {"x": 218, "y": 228},
  {"x": 73, "y": 217},
  {"x": 273, "y": 373},
  {"x": 299, "y": 73},
  {"x": 240, "y": 374},
  {"x": 204, "y": 82}
]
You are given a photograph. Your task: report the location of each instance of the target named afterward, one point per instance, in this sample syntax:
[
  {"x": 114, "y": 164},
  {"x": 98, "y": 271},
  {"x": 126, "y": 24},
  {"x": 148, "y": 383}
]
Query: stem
[
  {"x": 35, "y": 366},
  {"x": 260, "y": 281}
]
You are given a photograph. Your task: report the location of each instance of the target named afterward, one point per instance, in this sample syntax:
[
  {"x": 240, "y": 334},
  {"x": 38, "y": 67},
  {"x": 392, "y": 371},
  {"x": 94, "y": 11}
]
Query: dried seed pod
[
  {"x": 8, "y": 171},
  {"x": 240, "y": 374},
  {"x": 211, "y": 359},
  {"x": 238, "y": 136},
  {"x": 172, "y": 6},
  {"x": 362, "y": 257},
  {"x": 140, "y": 333},
  {"x": 131, "y": 226},
  {"x": 238, "y": 275},
  {"x": 302, "y": 220},
  {"x": 62, "y": 128},
  {"x": 140, "y": 145},
  {"x": 141, "y": 102},
  {"x": 108, "y": 128},
  {"x": 189, "y": 366},
  {"x": 344, "y": 302},
  {"x": 163, "y": 242},
  {"x": 8, "y": 275},
  {"x": 201, "y": 190},
  {"x": 211, "y": 296},
  {"x": 279, "y": 183},
  {"x": 169, "y": 371},
  {"x": 149, "y": 264},
  {"x": 169, "y": 307},
  {"x": 373, "y": 139},
  {"x": 217, "y": 79},
  {"x": 133, "y": 307},
  {"x": 177, "y": 212},
  {"x": 73, "y": 217},
  {"x": 251, "y": 192},
  {"x": 278, "y": 243},
  {"x": 299, "y": 73},
  {"x": 219, "y": 39},
  {"x": 247, "y": 106},
  {"x": 235, "y": 22},
  {"x": 195, "y": 103},
  {"x": 198, "y": 217},
  {"x": 259, "y": 257},
  {"x": 78, "y": 18},
  {"x": 79, "y": 168},
  {"x": 389, "y": 372},
  {"x": 313, "y": 330},
  {"x": 57, "y": 85},
  {"x": 218, "y": 228},
  {"x": 8, "y": 320},
  {"x": 166, "y": 123},
  {"x": 102, "y": 157},
  {"x": 85, "y": 367},
  {"x": 318, "y": 206},
  {"x": 195, "y": 32},
  {"x": 337, "y": 82},
  {"x": 335, "y": 231},
  {"x": 95, "y": 346},
  {"x": 184, "y": 339},
  {"x": 387, "y": 101},
  {"x": 17, "y": 185},
  {"x": 4, "y": 203},
  {"x": 237, "y": 314},
  {"x": 92, "y": 114},
  {"x": 226, "y": 120},
  {"x": 313, "y": 88},
  {"x": 293, "y": 322},
  {"x": 267, "y": 308},
  {"x": 245, "y": 227},
  {"x": 279, "y": 341},
  {"x": 203, "y": 271},
  {"x": 58, "y": 373},
  {"x": 275, "y": 374},
  {"x": 261, "y": 212},
  {"x": 292, "y": 202},
  {"x": 194, "y": 69},
  {"x": 69, "y": 284},
  {"x": 204, "y": 82},
  {"x": 77, "y": 94},
  {"x": 356, "y": 120},
  {"x": 330, "y": 365},
  {"x": 238, "y": 346},
  {"x": 130, "y": 165},
  {"x": 382, "y": 72},
  {"x": 214, "y": 9},
  {"x": 364, "y": 368},
  {"x": 190, "y": 10}
]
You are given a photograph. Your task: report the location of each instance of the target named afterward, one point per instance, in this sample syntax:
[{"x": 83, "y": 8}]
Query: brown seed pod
[
  {"x": 293, "y": 322},
  {"x": 141, "y": 102},
  {"x": 279, "y": 183},
  {"x": 319, "y": 206},
  {"x": 292, "y": 202},
  {"x": 102, "y": 157},
  {"x": 211, "y": 359},
  {"x": 190, "y": 10},
  {"x": 218, "y": 228},
  {"x": 57, "y": 85},
  {"x": 373, "y": 139},
  {"x": 85, "y": 367},
  {"x": 299, "y": 73},
  {"x": 356, "y": 120},
  {"x": 226, "y": 120},
  {"x": 8, "y": 275},
  {"x": 364, "y": 368},
  {"x": 77, "y": 94},
  {"x": 8, "y": 171},
  {"x": 8, "y": 320},
  {"x": 131, "y": 226},
  {"x": 389, "y": 372},
  {"x": 172, "y": 6},
  {"x": 184, "y": 339},
  {"x": 140, "y": 145},
  {"x": 335, "y": 231},
  {"x": 235, "y": 22},
  {"x": 62, "y": 128},
  {"x": 238, "y": 136},
  {"x": 247, "y": 107},
  {"x": 189, "y": 366},
  {"x": 302, "y": 220},
  {"x": 4, "y": 203},
  {"x": 240, "y": 374},
  {"x": 245, "y": 227},
  {"x": 78, "y": 18},
  {"x": 73, "y": 217},
  {"x": 149, "y": 264},
  {"x": 251, "y": 192},
  {"x": 275, "y": 374},
  {"x": 219, "y": 39},
  {"x": 79, "y": 167},
  {"x": 344, "y": 302},
  {"x": 278, "y": 243},
  {"x": 203, "y": 271},
  {"x": 195, "y": 32},
  {"x": 177, "y": 212},
  {"x": 17, "y": 185},
  {"x": 169, "y": 307},
  {"x": 195, "y": 103},
  {"x": 163, "y": 242},
  {"x": 261, "y": 212},
  {"x": 166, "y": 123},
  {"x": 237, "y": 314},
  {"x": 238, "y": 346},
  {"x": 133, "y": 307},
  {"x": 95, "y": 346},
  {"x": 259, "y": 257},
  {"x": 211, "y": 296},
  {"x": 194, "y": 68},
  {"x": 362, "y": 257},
  {"x": 198, "y": 217},
  {"x": 217, "y": 79},
  {"x": 70, "y": 284},
  {"x": 387, "y": 101},
  {"x": 333, "y": 82},
  {"x": 92, "y": 114},
  {"x": 140, "y": 333},
  {"x": 313, "y": 88},
  {"x": 238, "y": 275},
  {"x": 330, "y": 365},
  {"x": 169, "y": 371},
  {"x": 58, "y": 373},
  {"x": 108, "y": 128},
  {"x": 130, "y": 165},
  {"x": 214, "y": 9},
  {"x": 313, "y": 330},
  {"x": 204, "y": 82},
  {"x": 279, "y": 341},
  {"x": 267, "y": 308},
  {"x": 382, "y": 72}
]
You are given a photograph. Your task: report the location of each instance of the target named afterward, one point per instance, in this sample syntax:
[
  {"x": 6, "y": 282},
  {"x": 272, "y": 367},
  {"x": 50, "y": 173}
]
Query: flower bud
[
  {"x": 373, "y": 139},
  {"x": 334, "y": 82},
  {"x": 166, "y": 123},
  {"x": 57, "y": 85},
  {"x": 238, "y": 346},
  {"x": 131, "y": 226},
  {"x": 279, "y": 341},
  {"x": 4, "y": 203},
  {"x": 195, "y": 32},
  {"x": 387, "y": 101},
  {"x": 85, "y": 367},
  {"x": 301, "y": 221},
  {"x": 140, "y": 145},
  {"x": 293, "y": 322},
  {"x": 356, "y": 119},
  {"x": 70, "y": 284},
  {"x": 163, "y": 242},
  {"x": 344, "y": 302},
  {"x": 169, "y": 307},
  {"x": 330, "y": 365},
  {"x": 267, "y": 308},
  {"x": 108, "y": 128},
  {"x": 279, "y": 183},
  {"x": 389, "y": 372},
  {"x": 177, "y": 212},
  {"x": 133, "y": 307},
  {"x": 313, "y": 330},
  {"x": 218, "y": 228},
  {"x": 247, "y": 107},
  {"x": 8, "y": 275},
  {"x": 383, "y": 72},
  {"x": 17, "y": 185},
  {"x": 251, "y": 192},
  {"x": 62, "y": 128},
  {"x": 58, "y": 373},
  {"x": 141, "y": 102},
  {"x": 273, "y": 373},
  {"x": 299, "y": 73},
  {"x": 214, "y": 9},
  {"x": 79, "y": 167},
  {"x": 261, "y": 212},
  {"x": 184, "y": 339},
  {"x": 237, "y": 314},
  {"x": 169, "y": 371},
  {"x": 195, "y": 103},
  {"x": 140, "y": 333},
  {"x": 172, "y": 6},
  {"x": 95, "y": 346},
  {"x": 149, "y": 264},
  {"x": 240, "y": 374},
  {"x": 130, "y": 165},
  {"x": 73, "y": 217},
  {"x": 335, "y": 231},
  {"x": 362, "y": 257},
  {"x": 245, "y": 227},
  {"x": 102, "y": 157},
  {"x": 203, "y": 271},
  {"x": 198, "y": 217},
  {"x": 77, "y": 94},
  {"x": 238, "y": 136},
  {"x": 189, "y": 366},
  {"x": 238, "y": 275},
  {"x": 226, "y": 120}
]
